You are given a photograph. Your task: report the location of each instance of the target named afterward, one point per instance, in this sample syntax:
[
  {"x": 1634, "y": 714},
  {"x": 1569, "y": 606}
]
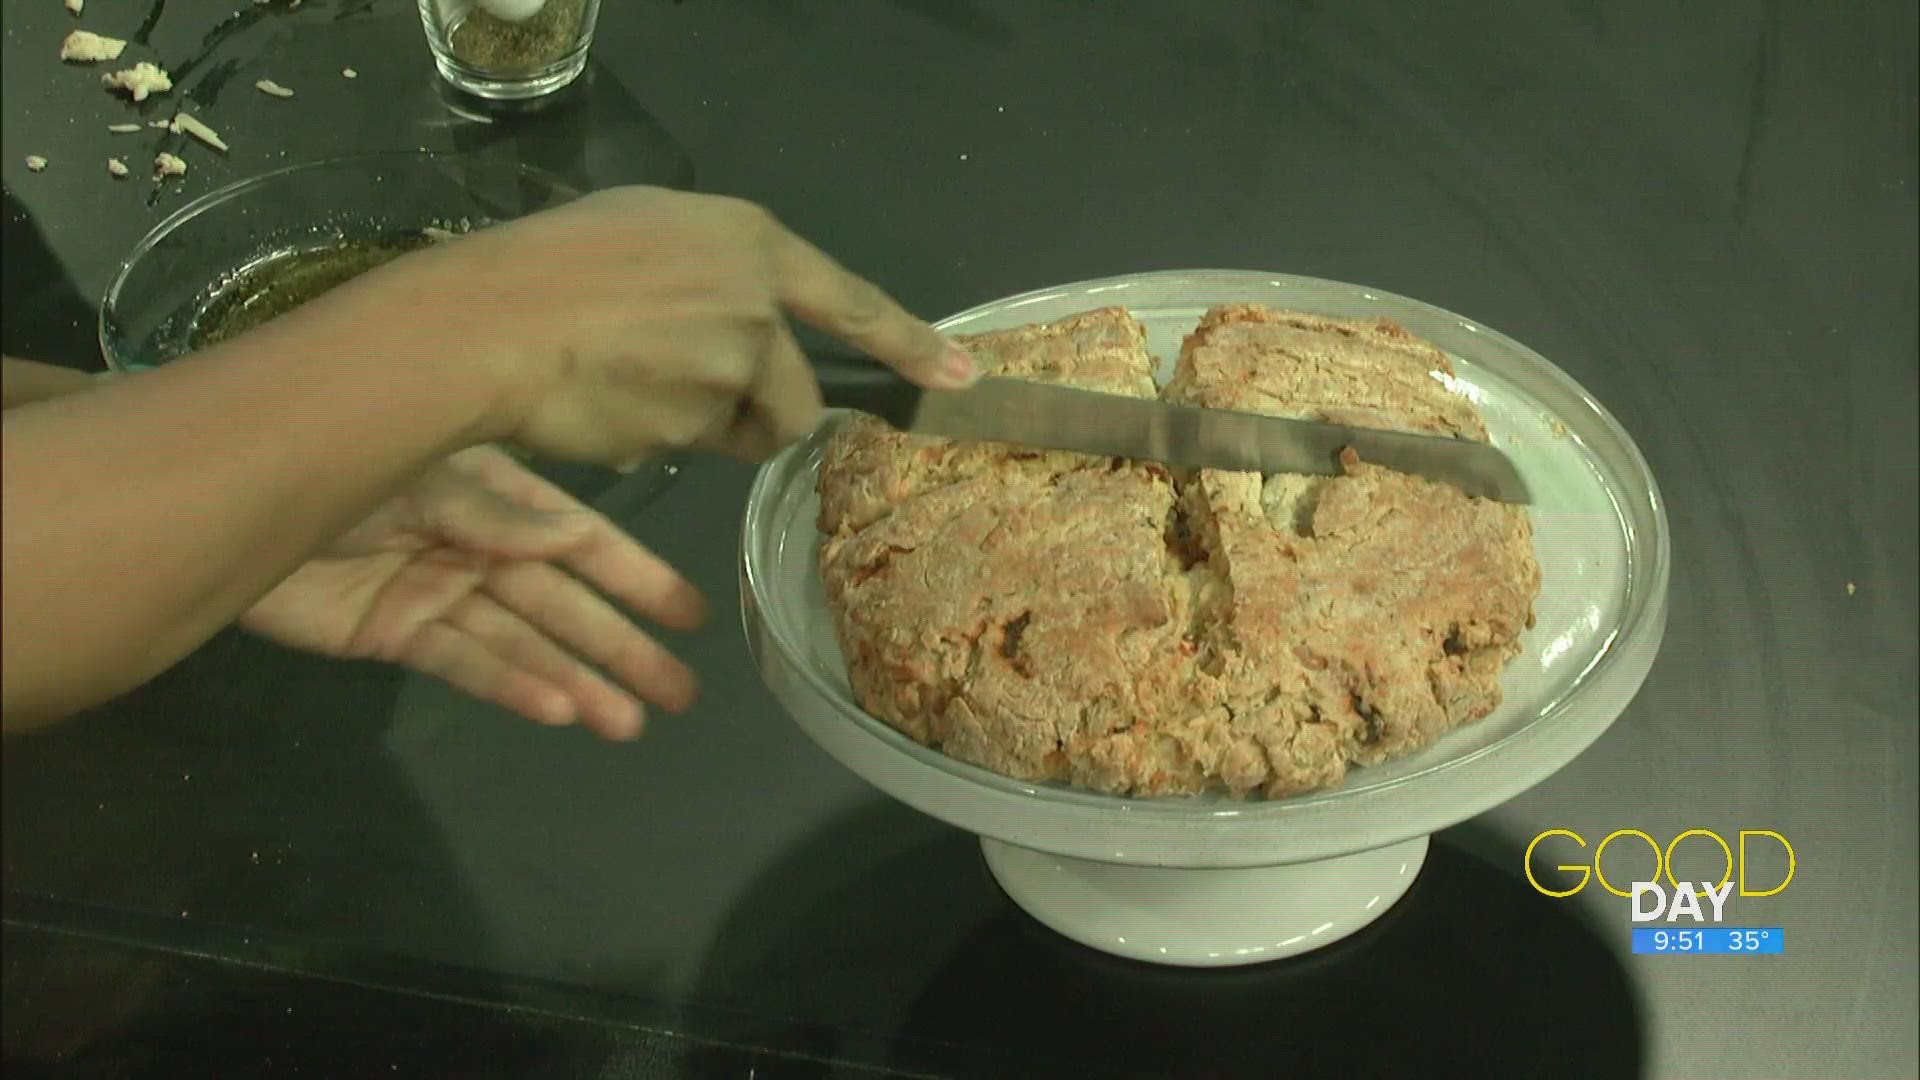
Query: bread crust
[{"x": 1107, "y": 624}]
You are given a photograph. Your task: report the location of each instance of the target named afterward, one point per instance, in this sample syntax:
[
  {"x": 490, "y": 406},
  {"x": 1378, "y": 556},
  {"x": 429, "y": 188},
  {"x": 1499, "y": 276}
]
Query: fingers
[
  {"x": 462, "y": 661},
  {"x": 597, "y": 703},
  {"x": 603, "y": 554},
  {"x": 499, "y": 471},
  {"x": 476, "y": 518},
  {"x": 784, "y": 402},
  {"x": 619, "y": 566},
  {"x": 823, "y": 293},
  {"x": 519, "y": 642},
  {"x": 570, "y": 614},
  {"x": 751, "y": 439}
]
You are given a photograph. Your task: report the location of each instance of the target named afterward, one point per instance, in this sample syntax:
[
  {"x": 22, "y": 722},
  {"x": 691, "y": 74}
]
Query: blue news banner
[{"x": 1710, "y": 941}]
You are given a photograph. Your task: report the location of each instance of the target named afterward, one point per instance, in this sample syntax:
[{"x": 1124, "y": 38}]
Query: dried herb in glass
[{"x": 498, "y": 47}]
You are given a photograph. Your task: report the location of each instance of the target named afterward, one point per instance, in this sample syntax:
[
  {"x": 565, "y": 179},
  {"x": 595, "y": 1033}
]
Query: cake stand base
[{"x": 1206, "y": 918}]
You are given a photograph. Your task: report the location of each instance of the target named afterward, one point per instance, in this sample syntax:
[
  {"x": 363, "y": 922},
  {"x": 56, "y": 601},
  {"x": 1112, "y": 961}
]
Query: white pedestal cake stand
[{"x": 1213, "y": 882}]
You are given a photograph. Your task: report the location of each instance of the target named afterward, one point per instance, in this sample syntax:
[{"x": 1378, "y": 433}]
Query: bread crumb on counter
[
  {"x": 36, "y": 163},
  {"x": 349, "y": 73},
  {"x": 85, "y": 47},
  {"x": 76, "y": 6},
  {"x": 273, "y": 89},
  {"x": 123, "y": 129},
  {"x": 1850, "y": 588},
  {"x": 168, "y": 165},
  {"x": 117, "y": 167},
  {"x": 140, "y": 81},
  {"x": 185, "y": 124},
  {"x": 159, "y": 123}
]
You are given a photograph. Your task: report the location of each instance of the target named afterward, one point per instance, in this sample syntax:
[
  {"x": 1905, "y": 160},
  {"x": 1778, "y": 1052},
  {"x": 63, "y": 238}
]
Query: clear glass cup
[{"x": 507, "y": 50}]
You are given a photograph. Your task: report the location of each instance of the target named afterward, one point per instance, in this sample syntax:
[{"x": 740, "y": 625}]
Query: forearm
[
  {"x": 25, "y": 381},
  {"x": 145, "y": 515}
]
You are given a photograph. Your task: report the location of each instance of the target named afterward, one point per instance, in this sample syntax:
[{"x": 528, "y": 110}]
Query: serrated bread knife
[{"x": 1057, "y": 417}]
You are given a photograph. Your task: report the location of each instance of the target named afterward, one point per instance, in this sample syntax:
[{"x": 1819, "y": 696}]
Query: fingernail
[{"x": 957, "y": 367}]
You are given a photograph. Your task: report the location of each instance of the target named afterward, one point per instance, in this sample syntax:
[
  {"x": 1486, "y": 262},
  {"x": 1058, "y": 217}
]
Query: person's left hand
[{"x": 464, "y": 576}]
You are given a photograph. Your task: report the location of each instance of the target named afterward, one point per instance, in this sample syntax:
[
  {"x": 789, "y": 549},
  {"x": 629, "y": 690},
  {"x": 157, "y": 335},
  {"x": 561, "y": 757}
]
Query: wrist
[
  {"x": 513, "y": 380},
  {"x": 417, "y": 339},
  {"x": 416, "y": 313}
]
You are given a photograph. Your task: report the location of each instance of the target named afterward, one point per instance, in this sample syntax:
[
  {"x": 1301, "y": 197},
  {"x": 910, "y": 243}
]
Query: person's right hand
[{"x": 637, "y": 320}]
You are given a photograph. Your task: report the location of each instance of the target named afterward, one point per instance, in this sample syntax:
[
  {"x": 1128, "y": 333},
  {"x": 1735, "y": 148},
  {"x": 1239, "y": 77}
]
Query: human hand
[
  {"x": 638, "y": 320},
  {"x": 461, "y": 577}
]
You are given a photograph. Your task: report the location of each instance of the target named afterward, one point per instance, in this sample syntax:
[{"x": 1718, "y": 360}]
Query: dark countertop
[{"x": 1709, "y": 219}]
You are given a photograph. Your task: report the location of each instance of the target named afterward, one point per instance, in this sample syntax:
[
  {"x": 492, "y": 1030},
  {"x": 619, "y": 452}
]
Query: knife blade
[{"x": 1055, "y": 417}]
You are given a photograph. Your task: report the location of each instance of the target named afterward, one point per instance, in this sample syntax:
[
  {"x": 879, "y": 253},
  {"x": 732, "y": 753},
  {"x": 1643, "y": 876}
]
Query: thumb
[{"x": 481, "y": 521}]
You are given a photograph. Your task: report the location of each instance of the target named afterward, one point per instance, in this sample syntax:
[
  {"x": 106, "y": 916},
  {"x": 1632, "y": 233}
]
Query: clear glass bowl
[
  {"x": 151, "y": 308},
  {"x": 1600, "y": 532},
  {"x": 175, "y": 274}
]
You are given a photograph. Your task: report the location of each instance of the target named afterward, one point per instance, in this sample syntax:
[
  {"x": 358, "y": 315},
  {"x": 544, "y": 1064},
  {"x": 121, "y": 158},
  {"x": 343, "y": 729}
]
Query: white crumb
[
  {"x": 140, "y": 80},
  {"x": 168, "y": 165},
  {"x": 84, "y": 47},
  {"x": 185, "y": 124},
  {"x": 437, "y": 235},
  {"x": 349, "y": 73},
  {"x": 963, "y": 157},
  {"x": 117, "y": 167},
  {"x": 1850, "y": 588},
  {"x": 268, "y": 86},
  {"x": 159, "y": 123},
  {"x": 36, "y": 163},
  {"x": 76, "y": 6},
  {"x": 123, "y": 129}
]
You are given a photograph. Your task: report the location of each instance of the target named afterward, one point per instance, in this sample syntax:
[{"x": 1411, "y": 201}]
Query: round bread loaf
[{"x": 1108, "y": 624}]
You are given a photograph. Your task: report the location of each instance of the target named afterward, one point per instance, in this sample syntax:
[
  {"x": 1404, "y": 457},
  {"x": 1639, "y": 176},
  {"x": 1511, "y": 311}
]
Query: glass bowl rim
[{"x": 110, "y": 299}]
